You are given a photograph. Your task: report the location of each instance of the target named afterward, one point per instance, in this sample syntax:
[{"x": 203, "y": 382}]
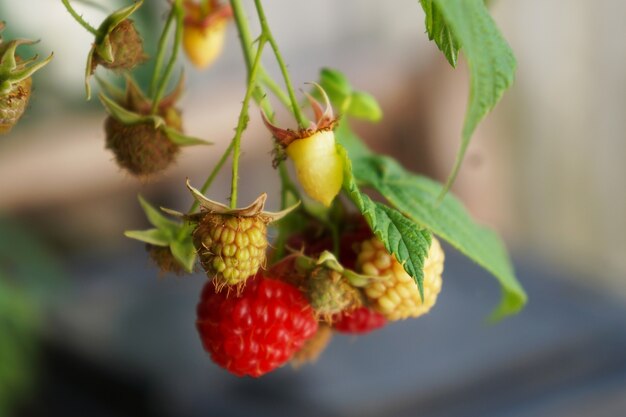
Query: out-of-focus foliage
[{"x": 28, "y": 275}]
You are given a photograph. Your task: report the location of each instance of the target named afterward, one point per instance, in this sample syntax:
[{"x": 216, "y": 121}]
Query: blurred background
[{"x": 88, "y": 328}]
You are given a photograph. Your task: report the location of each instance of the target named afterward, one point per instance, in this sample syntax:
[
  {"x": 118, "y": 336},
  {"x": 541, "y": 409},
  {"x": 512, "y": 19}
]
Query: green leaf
[
  {"x": 364, "y": 106},
  {"x": 402, "y": 237},
  {"x": 184, "y": 252},
  {"x": 439, "y": 32},
  {"x": 490, "y": 59},
  {"x": 157, "y": 219},
  {"x": 155, "y": 237},
  {"x": 336, "y": 85},
  {"x": 417, "y": 197}
]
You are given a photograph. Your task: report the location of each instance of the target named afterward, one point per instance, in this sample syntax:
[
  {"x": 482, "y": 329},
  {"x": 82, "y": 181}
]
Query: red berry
[
  {"x": 360, "y": 321},
  {"x": 256, "y": 331}
]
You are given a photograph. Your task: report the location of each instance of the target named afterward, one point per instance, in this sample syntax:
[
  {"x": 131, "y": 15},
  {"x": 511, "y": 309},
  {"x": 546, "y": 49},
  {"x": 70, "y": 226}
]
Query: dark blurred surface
[{"x": 564, "y": 355}]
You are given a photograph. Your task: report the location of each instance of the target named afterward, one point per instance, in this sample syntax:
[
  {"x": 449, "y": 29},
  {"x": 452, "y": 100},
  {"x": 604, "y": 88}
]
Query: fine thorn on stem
[
  {"x": 243, "y": 120},
  {"x": 179, "y": 14},
  {"x": 79, "y": 18},
  {"x": 302, "y": 122}
]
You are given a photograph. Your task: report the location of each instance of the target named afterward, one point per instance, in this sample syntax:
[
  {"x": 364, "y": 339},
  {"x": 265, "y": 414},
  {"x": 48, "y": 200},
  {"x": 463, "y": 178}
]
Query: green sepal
[
  {"x": 104, "y": 49},
  {"x": 167, "y": 233},
  {"x": 118, "y": 95},
  {"x": 184, "y": 252},
  {"x": 155, "y": 237},
  {"x": 155, "y": 217},
  {"x": 327, "y": 260},
  {"x": 12, "y": 71},
  {"x": 181, "y": 139},
  {"x": 115, "y": 19},
  {"x": 129, "y": 117}
]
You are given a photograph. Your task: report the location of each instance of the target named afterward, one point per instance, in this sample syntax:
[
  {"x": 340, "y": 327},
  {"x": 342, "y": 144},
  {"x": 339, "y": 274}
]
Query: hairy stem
[
  {"x": 177, "y": 8},
  {"x": 216, "y": 170},
  {"x": 243, "y": 121},
  {"x": 79, "y": 18},
  {"x": 281, "y": 63}
]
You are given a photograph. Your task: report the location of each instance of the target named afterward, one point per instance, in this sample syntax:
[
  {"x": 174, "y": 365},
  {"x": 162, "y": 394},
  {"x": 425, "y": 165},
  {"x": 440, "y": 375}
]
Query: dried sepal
[{"x": 253, "y": 210}]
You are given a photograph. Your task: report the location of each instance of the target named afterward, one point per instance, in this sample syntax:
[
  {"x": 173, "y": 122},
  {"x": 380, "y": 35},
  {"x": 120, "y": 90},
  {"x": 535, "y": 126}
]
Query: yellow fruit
[
  {"x": 396, "y": 295},
  {"x": 318, "y": 165},
  {"x": 204, "y": 44}
]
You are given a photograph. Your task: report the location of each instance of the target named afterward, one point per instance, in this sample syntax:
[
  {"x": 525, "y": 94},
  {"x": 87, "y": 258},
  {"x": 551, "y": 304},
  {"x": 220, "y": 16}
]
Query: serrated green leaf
[
  {"x": 490, "y": 59},
  {"x": 417, "y": 197},
  {"x": 155, "y": 237},
  {"x": 439, "y": 32},
  {"x": 402, "y": 237},
  {"x": 181, "y": 139},
  {"x": 364, "y": 106},
  {"x": 157, "y": 219},
  {"x": 184, "y": 252}
]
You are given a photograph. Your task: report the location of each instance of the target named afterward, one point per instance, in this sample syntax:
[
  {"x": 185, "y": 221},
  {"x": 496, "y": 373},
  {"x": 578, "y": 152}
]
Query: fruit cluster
[
  {"x": 289, "y": 312},
  {"x": 328, "y": 272}
]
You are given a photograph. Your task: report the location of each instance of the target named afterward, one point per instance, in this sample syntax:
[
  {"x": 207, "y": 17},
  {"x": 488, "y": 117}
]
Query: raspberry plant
[{"x": 341, "y": 260}]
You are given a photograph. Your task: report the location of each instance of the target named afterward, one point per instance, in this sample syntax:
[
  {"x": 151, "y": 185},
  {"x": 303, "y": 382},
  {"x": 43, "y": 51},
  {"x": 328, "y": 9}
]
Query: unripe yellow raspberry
[
  {"x": 318, "y": 165},
  {"x": 396, "y": 295},
  {"x": 230, "y": 248},
  {"x": 204, "y": 44},
  {"x": 230, "y": 242}
]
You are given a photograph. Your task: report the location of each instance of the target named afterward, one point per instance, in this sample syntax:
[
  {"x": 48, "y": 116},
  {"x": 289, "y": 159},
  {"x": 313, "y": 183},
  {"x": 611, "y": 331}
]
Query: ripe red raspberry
[
  {"x": 359, "y": 321},
  {"x": 256, "y": 331}
]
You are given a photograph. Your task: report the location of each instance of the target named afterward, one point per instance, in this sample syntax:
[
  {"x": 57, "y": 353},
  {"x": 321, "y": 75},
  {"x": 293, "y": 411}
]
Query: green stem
[
  {"x": 243, "y": 121},
  {"x": 178, "y": 10},
  {"x": 246, "y": 45},
  {"x": 160, "y": 56},
  {"x": 80, "y": 19},
  {"x": 281, "y": 63},
  {"x": 211, "y": 178},
  {"x": 269, "y": 82}
]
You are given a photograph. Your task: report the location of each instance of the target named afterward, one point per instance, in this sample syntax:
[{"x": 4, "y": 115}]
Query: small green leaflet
[
  {"x": 467, "y": 23},
  {"x": 348, "y": 101},
  {"x": 439, "y": 32},
  {"x": 402, "y": 237},
  {"x": 417, "y": 197}
]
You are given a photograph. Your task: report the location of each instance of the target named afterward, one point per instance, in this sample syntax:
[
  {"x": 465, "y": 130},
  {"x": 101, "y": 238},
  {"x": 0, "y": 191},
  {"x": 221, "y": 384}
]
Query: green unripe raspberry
[
  {"x": 330, "y": 293},
  {"x": 230, "y": 248},
  {"x": 127, "y": 48},
  {"x": 13, "y": 104}
]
